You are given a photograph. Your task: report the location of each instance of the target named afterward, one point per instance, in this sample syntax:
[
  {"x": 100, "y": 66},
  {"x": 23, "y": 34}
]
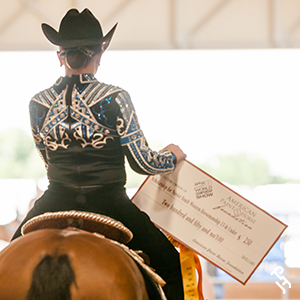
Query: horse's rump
[{"x": 101, "y": 270}]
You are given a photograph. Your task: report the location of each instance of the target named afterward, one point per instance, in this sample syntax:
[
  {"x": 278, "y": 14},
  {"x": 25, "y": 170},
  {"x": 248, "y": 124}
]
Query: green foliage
[
  {"x": 19, "y": 159},
  {"x": 18, "y": 156},
  {"x": 242, "y": 169}
]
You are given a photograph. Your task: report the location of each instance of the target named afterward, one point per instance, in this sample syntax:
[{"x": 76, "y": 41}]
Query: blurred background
[{"x": 220, "y": 78}]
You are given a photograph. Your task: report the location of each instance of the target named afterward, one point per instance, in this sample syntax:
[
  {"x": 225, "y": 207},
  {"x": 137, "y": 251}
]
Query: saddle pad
[{"x": 87, "y": 221}]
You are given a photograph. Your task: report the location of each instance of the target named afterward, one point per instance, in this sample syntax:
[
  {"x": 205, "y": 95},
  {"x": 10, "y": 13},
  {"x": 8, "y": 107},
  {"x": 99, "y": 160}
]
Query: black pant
[{"x": 112, "y": 201}]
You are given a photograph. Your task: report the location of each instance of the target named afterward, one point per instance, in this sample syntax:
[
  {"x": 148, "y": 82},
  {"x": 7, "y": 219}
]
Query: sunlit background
[
  {"x": 225, "y": 88},
  {"x": 213, "y": 104}
]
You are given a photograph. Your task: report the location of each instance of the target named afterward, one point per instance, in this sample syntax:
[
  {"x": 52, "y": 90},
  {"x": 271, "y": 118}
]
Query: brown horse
[{"x": 68, "y": 264}]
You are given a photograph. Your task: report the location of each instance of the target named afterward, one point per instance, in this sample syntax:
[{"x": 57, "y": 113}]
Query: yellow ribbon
[{"x": 189, "y": 264}]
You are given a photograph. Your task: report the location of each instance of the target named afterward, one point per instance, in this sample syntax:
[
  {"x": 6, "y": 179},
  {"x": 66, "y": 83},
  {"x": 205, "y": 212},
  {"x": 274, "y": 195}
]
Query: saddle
[{"x": 103, "y": 227}]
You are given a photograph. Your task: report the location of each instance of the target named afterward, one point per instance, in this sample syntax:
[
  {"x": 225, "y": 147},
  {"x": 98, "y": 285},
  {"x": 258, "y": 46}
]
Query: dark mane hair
[
  {"x": 51, "y": 279},
  {"x": 77, "y": 59}
]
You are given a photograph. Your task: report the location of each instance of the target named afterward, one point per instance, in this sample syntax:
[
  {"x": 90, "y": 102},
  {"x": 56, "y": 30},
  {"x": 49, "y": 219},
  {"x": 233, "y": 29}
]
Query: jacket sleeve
[
  {"x": 141, "y": 158},
  {"x": 38, "y": 113}
]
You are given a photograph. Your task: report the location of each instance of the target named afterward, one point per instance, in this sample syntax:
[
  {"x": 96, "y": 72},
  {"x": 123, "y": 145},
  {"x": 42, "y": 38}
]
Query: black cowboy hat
[{"x": 78, "y": 30}]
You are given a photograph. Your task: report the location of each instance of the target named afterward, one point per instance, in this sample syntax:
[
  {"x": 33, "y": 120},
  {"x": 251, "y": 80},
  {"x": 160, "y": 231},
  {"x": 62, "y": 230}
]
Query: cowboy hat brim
[{"x": 54, "y": 37}]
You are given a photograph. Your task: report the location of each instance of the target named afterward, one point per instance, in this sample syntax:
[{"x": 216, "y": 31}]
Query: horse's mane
[{"x": 51, "y": 279}]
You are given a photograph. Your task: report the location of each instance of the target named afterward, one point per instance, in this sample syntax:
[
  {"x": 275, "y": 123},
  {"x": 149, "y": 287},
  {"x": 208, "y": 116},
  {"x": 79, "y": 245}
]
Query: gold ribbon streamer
[{"x": 189, "y": 264}]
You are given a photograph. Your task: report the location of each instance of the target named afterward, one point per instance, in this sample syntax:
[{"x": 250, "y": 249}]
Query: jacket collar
[{"x": 80, "y": 80}]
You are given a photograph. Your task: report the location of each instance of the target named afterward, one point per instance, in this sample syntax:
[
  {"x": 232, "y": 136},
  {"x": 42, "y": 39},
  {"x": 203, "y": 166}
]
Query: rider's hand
[{"x": 180, "y": 155}]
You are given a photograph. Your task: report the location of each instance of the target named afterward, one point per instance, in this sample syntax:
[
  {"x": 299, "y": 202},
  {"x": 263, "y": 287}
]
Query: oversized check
[{"x": 209, "y": 218}]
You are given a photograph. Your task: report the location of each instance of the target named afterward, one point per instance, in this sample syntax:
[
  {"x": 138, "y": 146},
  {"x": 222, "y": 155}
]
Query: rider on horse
[{"x": 83, "y": 129}]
